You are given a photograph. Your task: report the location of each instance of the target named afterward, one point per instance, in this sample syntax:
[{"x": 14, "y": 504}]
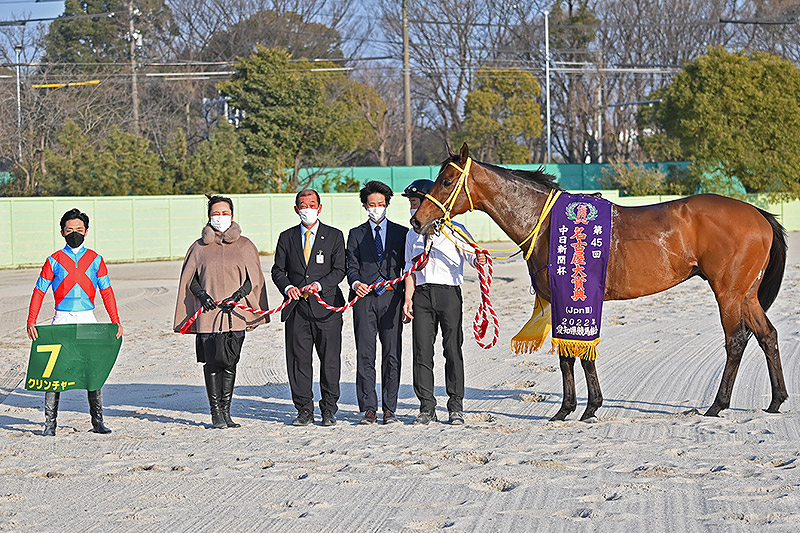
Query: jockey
[
  {"x": 75, "y": 277},
  {"x": 75, "y": 273}
]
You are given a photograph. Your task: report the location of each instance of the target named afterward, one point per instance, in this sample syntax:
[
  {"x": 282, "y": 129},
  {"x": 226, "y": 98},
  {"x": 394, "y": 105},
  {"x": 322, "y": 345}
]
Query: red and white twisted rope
[
  {"x": 310, "y": 288},
  {"x": 423, "y": 257},
  {"x": 480, "y": 324}
]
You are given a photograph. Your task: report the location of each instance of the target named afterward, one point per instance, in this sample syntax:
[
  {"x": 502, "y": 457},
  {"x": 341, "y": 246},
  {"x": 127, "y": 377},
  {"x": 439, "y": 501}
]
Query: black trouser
[
  {"x": 378, "y": 316},
  {"x": 303, "y": 334},
  {"x": 435, "y": 306}
]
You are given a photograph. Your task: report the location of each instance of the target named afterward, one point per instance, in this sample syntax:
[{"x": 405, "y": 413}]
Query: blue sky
[{"x": 23, "y": 9}]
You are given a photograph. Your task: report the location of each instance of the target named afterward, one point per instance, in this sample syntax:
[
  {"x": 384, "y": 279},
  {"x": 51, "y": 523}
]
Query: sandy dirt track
[{"x": 651, "y": 462}]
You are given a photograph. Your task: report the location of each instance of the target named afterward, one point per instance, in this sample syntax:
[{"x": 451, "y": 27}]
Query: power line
[{"x": 23, "y": 22}]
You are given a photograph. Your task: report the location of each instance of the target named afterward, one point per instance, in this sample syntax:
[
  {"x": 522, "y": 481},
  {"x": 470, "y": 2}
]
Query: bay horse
[{"x": 739, "y": 249}]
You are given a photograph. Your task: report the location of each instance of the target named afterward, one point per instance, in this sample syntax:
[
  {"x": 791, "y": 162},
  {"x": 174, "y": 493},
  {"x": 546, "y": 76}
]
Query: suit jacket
[
  {"x": 290, "y": 268},
  {"x": 362, "y": 255}
]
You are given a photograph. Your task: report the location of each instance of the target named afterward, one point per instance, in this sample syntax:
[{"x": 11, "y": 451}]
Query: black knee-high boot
[
  {"x": 214, "y": 391},
  {"x": 50, "y": 413},
  {"x": 228, "y": 379},
  {"x": 96, "y": 411}
]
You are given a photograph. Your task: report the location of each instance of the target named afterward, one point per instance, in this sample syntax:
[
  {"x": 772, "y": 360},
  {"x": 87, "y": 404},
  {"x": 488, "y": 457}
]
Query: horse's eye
[{"x": 447, "y": 183}]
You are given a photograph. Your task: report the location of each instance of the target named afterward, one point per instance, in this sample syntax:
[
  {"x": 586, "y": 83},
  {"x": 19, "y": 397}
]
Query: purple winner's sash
[{"x": 580, "y": 233}]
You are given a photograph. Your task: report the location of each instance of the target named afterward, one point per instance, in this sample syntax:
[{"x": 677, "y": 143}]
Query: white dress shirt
[
  {"x": 446, "y": 260},
  {"x": 383, "y": 225}
]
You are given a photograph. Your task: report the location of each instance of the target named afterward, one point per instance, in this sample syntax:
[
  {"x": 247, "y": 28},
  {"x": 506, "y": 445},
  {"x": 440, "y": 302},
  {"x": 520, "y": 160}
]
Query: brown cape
[{"x": 222, "y": 261}]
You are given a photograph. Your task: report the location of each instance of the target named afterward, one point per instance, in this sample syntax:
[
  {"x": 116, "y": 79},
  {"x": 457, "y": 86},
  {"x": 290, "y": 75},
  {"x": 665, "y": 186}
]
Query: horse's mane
[{"x": 537, "y": 177}]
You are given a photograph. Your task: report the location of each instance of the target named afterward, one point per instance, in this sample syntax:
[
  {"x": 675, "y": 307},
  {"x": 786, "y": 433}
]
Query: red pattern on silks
[
  {"x": 109, "y": 301},
  {"x": 36, "y": 304},
  {"x": 38, "y": 296},
  {"x": 77, "y": 274}
]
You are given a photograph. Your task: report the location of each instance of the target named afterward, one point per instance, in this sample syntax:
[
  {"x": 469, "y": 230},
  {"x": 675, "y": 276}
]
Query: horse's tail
[{"x": 773, "y": 275}]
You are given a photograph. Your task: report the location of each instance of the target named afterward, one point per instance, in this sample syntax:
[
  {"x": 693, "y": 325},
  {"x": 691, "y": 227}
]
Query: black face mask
[{"x": 74, "y": 239}]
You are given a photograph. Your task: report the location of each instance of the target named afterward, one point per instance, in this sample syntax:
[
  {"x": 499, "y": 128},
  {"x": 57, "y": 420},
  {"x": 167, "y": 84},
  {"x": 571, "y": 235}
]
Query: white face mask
[
  {"x": 412, "y": 211},
  {"x": 376, "y": 214},
  {"x": 221, "y": 222},
  {"x": 308, "y": 216}
]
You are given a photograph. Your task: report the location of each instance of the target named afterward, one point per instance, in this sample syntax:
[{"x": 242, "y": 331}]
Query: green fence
[
  {"x": 572, "y": 177},
  {"x": 144, "y": 228}
]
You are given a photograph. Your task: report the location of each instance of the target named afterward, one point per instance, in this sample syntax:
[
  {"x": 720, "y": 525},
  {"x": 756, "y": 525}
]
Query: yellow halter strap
[{"x": 448, "y": 204}]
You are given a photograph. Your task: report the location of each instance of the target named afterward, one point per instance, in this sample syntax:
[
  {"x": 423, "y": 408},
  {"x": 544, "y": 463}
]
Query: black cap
[{"x": 418, "y": 188}]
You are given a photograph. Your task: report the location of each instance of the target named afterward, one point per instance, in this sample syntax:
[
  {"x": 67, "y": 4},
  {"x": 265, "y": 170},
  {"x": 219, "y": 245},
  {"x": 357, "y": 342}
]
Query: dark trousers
[
  {"x": 378, "y": 317},
  {"x": 438, "y": 306},
  {"x": 303, "y": 334}
]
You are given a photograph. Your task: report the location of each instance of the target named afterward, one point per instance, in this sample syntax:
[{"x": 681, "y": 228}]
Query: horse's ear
[
  {"x": 450, "y": 151},
  {"x": 464, "y": 155}
]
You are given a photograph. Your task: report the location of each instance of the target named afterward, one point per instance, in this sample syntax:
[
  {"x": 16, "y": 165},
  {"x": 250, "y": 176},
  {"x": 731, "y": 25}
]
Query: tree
[
  {"x": 217, "y": 166},
  {"x": 88, "y": 40},
  {"x": 735, "y": 115},
  {"x": 274, "y": 30},
  {"x": 295, "y": 115},
  {"x": 501, "y": 117},
  {"x": 120, "y": 165},
  {"x": 448, "y": 41}
]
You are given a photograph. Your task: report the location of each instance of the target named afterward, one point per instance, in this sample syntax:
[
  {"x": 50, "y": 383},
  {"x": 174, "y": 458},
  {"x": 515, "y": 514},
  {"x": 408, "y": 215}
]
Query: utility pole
[
  {"x": 17, "y": 51},
  {"x": 407, "y": 86},
  {"x": 132, "y": 38},
  {"x": 547, "y": 76},
  {"x": 600, "y": 121}
]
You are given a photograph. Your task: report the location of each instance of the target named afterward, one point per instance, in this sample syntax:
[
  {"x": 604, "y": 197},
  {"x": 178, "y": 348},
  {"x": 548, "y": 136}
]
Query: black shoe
[
  {"x": 370, "y": 417},
  {"x": 304, "y": 418},
  {"x": 389, "y": 417},
  {"x": 96, "y": 411},
  {"x": 328, "y": 419},
  {"x": 456, "y": 418},
  {"x": 50, "y": 413},
  {"x": 425, "y": 418}
]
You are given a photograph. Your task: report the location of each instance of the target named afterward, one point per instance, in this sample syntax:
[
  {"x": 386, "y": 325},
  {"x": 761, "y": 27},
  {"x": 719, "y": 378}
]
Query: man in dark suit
[
  {"x": 375, "y": 253},
  {"x": 308, "y": 256}
]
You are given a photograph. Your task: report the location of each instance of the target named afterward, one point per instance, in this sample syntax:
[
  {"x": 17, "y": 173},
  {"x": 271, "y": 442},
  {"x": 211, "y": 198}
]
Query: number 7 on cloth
[{"x": 72, "y": 356}]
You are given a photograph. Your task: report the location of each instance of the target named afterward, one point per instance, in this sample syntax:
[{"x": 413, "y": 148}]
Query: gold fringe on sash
[
  {"x": 571, "y": 348},
  {"x": 532, "y": 335}
]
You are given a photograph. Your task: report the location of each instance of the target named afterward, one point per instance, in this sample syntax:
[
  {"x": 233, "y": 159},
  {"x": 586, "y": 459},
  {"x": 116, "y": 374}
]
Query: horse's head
[{"x": 449, "y": 195}]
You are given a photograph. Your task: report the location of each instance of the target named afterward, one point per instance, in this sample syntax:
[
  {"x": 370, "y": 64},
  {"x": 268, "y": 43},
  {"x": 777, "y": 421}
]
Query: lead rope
[
  {"x": 423, "y": 257},
  {"x": 480, "y": 324}
]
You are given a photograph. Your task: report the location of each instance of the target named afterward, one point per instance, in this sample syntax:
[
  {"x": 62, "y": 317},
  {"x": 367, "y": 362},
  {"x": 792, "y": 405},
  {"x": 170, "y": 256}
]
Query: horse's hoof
[
  {"x": 773, "y": 410},
  {"x": 590, "y": 419},
  {"x": 560, "y": 416},
  {"x": 713, "y": 411}
]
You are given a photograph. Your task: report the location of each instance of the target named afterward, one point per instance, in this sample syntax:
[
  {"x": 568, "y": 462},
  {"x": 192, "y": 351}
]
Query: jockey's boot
[
  {"x": 228, "y": 379},
  {"x": 50, "y": 413},
  {"x": 214, "y": 391},
  {"x": 96, "y": 411}
]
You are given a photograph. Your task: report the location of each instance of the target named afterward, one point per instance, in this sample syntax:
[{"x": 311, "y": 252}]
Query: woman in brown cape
[{"x": 221, "y": 265}]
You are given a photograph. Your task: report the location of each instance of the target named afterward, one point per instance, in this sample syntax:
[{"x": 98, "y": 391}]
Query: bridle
[{"x": 461, "y": 183}]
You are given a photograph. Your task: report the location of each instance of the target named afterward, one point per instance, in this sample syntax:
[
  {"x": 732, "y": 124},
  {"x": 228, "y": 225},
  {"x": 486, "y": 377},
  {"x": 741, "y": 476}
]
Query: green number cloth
[{"x": 72, "y": 356}]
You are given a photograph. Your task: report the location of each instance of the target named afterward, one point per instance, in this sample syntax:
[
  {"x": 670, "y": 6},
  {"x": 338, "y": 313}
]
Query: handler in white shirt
[{"x": 433, "y": 300}]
